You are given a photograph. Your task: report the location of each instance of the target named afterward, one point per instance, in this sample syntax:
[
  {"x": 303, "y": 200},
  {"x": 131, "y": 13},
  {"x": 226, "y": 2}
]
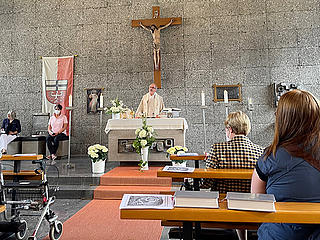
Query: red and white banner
[{"x": 57, "y": 83}]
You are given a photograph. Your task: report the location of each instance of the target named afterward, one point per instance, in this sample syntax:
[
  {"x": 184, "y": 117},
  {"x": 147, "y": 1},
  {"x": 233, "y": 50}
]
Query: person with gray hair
[{"x": 9, "y": 130}]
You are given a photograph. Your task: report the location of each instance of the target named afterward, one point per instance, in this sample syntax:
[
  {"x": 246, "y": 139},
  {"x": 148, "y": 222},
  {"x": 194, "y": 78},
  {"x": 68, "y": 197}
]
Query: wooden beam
[
  {"x": 156, "y": 21},
  {"x": 157, "y": 78}
]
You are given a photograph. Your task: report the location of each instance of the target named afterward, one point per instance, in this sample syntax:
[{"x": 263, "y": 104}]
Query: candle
[
  {"x": 101, "y": 101},
  {"x": 203, "y": 99},
  {"x": 250, "y": 100},
  {"x": 225, "y": 96},
  {"x": 70, "y": 100}
]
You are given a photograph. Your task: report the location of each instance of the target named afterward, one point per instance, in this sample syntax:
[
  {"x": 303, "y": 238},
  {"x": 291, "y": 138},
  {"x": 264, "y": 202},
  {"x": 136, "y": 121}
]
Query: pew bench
[
  {"x": 22, "y": 175},
  {"x": 286, "y": 212}
]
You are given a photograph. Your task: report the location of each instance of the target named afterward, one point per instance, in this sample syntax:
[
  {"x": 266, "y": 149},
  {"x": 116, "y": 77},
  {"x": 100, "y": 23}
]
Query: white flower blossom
[
  {"x": 150, "y": 129},
  {"x": 142, "y": 133},
  {"x": 94, "y": 155},
  {"x": 137, "y": 131},
  {"x": 143, "y": 143}
]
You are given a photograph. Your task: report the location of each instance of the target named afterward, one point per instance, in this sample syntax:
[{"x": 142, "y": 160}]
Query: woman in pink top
[{"x": 57, "y": 131}]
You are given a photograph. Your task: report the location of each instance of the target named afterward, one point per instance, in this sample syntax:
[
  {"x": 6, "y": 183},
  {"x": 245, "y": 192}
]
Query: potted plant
[
  {"x": 144, "y": 139},
  {"x": 178, "y": 150},
  {"x": 116, "y": 108},
  {"x": 98, "y": 155}
]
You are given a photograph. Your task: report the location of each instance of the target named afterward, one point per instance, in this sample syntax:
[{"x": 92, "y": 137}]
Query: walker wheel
[
  {"x": 23, "y": 232},
  {"x": 56, "y": 230}
]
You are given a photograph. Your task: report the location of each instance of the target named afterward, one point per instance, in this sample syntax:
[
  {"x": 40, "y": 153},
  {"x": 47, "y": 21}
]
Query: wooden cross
[{"x": 155, "y": 25}]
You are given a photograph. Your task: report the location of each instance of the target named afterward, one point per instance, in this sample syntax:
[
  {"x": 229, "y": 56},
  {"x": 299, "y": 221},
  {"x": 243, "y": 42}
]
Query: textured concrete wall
[{"x": 252, "y": 42}]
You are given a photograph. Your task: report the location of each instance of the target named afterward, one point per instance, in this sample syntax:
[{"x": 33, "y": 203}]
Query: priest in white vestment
[{"x": 151, "y": 103}]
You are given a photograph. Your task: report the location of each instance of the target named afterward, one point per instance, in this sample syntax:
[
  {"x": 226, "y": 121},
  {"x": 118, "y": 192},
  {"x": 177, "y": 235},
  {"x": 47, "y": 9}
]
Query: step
[
  {"x": 75, "y": 192},
  {"x": 116, "y": 192},
  {"x": 128, "y": 176},
  {"x": 74, "y": 180}
]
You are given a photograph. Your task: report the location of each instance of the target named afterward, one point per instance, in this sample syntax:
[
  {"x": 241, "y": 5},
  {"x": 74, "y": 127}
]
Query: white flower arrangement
[
  {"x": 177, "y": 150},
  {"x": 97, "y": 153},
  {"x": 145, "y": 136},
  {"x": 117, "y": 107}
]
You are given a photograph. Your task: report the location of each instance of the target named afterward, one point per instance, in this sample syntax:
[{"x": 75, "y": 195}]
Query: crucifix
[{"x": 155, "y": 25}]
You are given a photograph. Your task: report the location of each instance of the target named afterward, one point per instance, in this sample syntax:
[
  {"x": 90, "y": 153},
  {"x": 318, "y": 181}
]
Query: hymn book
[
  {"x": 146, "y": 201},
  {"x": 251, "y": 201},
  {"x": 197, "y": 199}
]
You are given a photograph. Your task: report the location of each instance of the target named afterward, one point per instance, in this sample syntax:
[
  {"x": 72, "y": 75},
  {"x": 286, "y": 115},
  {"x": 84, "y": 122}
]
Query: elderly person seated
[
  {"x": 237, "y": 152},
  {"x": 9, "y": 130}
]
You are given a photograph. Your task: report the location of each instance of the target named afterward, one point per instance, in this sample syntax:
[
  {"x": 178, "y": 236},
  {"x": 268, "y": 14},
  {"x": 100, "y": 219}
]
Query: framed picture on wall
[
  {"x": 93, "y": 99},
  {"x": 234, "y": 92}
]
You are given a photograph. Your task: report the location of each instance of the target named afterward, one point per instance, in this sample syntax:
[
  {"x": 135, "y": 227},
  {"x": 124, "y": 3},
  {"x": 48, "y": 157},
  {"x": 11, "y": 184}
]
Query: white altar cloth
[{"x": 156, "y": 123}]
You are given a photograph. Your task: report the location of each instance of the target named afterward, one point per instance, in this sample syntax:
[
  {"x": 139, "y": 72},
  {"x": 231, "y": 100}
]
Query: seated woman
[
  {"x": 57, "y": 131},
  {"x": 9, "y": 130},
  {"x": 290, "y": 166},
  {"x": 238, "y": 152}
]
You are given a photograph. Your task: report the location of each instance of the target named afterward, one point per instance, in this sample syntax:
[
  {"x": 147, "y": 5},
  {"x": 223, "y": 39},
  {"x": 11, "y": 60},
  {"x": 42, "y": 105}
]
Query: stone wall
[{"x": 252, "y": 42}]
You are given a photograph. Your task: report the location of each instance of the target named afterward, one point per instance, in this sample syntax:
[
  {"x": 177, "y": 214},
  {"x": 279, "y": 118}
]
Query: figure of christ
[
  {"x": 94, "y": 101},
  {"x": 155, "y": 32}
]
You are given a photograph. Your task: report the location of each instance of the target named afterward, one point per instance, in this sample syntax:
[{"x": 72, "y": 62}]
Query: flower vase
[
  {"x": 176, "y": 164},
  {"x": 144, "y": 158},
  {"x": 99, "y": 166},
  {"x": 115, "y": 115}
]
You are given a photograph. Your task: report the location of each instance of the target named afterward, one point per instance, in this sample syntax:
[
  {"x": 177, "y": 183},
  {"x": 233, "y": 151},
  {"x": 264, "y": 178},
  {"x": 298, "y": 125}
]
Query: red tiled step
[
  {"x": 125, "y": 176},
  {"x": 116, "y": 192}
]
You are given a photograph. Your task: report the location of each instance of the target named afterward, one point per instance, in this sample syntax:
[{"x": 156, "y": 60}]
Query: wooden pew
[
  {"x": 286, "y": 212},
  {"x": 226, "y": 173},
  {"x": 22, "y": 175}
]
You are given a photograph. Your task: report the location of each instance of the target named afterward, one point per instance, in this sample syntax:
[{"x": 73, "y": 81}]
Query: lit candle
[
  {"x": 203, "y": 99},
  {"x": 250, "y": 100},
  {"x": 70, "y": 100},
  {"x": 101, "y": 101},
  {"x": 225, "y": 96}
]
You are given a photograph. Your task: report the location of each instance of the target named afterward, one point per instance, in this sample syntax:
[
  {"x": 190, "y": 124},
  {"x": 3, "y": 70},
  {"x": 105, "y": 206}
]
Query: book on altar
[
  {"x": 146, "y": 201},
  {"x": 251, "y": 201},
  {"x": 178, "y": 169},
  {"x": 197, "y": 199}
]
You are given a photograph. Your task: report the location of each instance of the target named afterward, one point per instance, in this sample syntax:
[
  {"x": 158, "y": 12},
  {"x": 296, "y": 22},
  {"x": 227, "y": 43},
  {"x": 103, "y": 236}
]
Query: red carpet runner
[{"x": 100, "y": 219}]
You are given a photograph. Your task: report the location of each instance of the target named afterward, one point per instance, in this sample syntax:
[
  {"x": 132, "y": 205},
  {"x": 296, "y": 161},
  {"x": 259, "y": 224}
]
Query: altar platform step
[
  {"x": 131, "y": 176},
  {"x": 116, "y": 192},
  {"x": 75, "y": 192}
]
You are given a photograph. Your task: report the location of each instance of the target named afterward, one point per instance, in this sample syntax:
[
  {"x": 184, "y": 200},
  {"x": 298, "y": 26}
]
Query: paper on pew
[
  {"x": 178, "y": 169},
  {"x": 146, "y": 201},
  {"x": 187, "y": 154}
]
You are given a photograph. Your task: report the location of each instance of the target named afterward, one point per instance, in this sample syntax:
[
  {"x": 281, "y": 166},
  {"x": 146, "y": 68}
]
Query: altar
[{"x": 121, "y": 134}]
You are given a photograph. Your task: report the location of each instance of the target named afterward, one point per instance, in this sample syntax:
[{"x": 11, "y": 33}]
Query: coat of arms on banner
[{"x": 56, "y": 90}]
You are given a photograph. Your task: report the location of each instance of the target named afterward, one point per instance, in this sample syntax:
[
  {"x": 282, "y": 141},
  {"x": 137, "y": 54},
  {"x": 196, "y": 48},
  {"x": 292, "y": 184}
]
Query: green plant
[
  {"x": 144, "y": 136},
  {"x": 142, "y": 164},
  {"x": 177, "y": 150},
  {"x": 97, "y": 153}
]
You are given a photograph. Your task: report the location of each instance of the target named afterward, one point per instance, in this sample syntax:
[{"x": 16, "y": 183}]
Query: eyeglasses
[{"x": 153, "y": 87}]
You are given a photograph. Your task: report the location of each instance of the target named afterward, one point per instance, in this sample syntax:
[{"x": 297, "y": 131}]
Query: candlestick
[
  {"x": 225, "y": 96},
  {"x": 101, "y": 101},
  {"x": 70, "y": 100},
  {"x": 249, "y": 100},
  {"x": 203, "y": 99}
]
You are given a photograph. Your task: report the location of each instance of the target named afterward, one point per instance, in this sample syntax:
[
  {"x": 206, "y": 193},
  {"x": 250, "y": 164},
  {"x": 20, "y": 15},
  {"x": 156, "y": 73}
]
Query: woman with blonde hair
[{"x": 290, "y": 166}]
